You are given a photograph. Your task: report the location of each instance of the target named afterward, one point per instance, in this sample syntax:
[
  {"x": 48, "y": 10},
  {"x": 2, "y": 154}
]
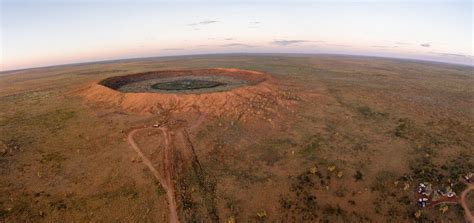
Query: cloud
[
  {"x": 288, "y": 42},
  {"x": 207, "y": 22},
  {"x": 237, "y": 45},
  {"x": 379, "y": 46},
  {"x": 203, "y": 23},
  {"x": 401, "y": 43},
  {"x": 339, "y": 45},
  {"x": 453, "y": 55},
  {"x": 425, "y": 45},
  {"x": 254, "y": 25},
  {"x": 173, "y": 49}
]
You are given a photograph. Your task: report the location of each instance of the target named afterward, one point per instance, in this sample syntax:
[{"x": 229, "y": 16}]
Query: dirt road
[
  {"x": 467, "y": 213},
  {"x": 166, "y": 181}
]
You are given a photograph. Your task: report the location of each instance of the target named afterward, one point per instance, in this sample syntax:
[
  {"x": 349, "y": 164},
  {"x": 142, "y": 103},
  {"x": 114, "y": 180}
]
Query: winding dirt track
[
  {"x": 467, "y": 213},
  {"x": 166, "y": 181}
]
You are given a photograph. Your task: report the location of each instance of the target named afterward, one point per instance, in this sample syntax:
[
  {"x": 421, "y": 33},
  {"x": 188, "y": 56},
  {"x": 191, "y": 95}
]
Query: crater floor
[{"x": 184, "y": 84}]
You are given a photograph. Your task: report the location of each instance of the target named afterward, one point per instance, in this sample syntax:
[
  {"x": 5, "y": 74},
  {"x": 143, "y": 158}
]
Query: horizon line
[{"x": 234, "y": 53}]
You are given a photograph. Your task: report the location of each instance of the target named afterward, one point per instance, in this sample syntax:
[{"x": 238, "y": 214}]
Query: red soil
[
  {"x": 259, "y": 98},
  {"x": 165, "y": 179},
  {"x": 260, "y": 90},
  {"x": 468, "y": 215}
]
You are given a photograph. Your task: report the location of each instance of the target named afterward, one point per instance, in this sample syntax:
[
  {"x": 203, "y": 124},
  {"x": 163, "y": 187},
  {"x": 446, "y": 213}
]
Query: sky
[{"x": 48, "y": 32}]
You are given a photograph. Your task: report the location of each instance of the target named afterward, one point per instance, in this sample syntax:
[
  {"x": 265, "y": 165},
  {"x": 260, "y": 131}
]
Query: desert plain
[{"x": 308, "y": 138}]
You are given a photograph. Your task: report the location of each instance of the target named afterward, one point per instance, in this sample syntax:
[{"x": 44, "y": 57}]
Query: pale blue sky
[{"x": 35, "y": 33}]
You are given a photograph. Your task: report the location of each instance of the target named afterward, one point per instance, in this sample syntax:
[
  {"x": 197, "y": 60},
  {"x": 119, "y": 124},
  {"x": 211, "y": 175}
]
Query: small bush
[
  {"x": 369, "y": 113},
  {"x": 358, "y": 176}
]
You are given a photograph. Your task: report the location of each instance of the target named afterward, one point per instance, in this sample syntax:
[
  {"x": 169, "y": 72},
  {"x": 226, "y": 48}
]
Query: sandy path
[
  {"x": 467, "y": 213},
  {"x": 165, "y": 182}
]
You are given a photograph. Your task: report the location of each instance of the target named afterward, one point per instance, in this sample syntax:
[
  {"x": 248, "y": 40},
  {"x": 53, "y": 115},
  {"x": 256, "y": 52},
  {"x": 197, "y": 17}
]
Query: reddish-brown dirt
[
  {"x": 386, "y": 125},
  {"x": 165, "y": 177},
  {"x": 455, "y": 200},
  {"x": 260, "y": 88},
  {"x": 177, "y": 155},
  {"x": 259, "y": 96},
  {"x": 468, "y": 215}
]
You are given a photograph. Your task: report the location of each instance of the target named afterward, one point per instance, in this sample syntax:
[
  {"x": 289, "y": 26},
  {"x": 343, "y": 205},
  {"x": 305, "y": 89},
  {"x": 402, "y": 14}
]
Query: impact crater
[{"x": 215, "y": 90}]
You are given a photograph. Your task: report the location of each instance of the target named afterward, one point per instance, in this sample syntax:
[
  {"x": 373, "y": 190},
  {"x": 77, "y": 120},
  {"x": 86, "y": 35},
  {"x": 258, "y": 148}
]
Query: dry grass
[{"x": 376, "y": 121}]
